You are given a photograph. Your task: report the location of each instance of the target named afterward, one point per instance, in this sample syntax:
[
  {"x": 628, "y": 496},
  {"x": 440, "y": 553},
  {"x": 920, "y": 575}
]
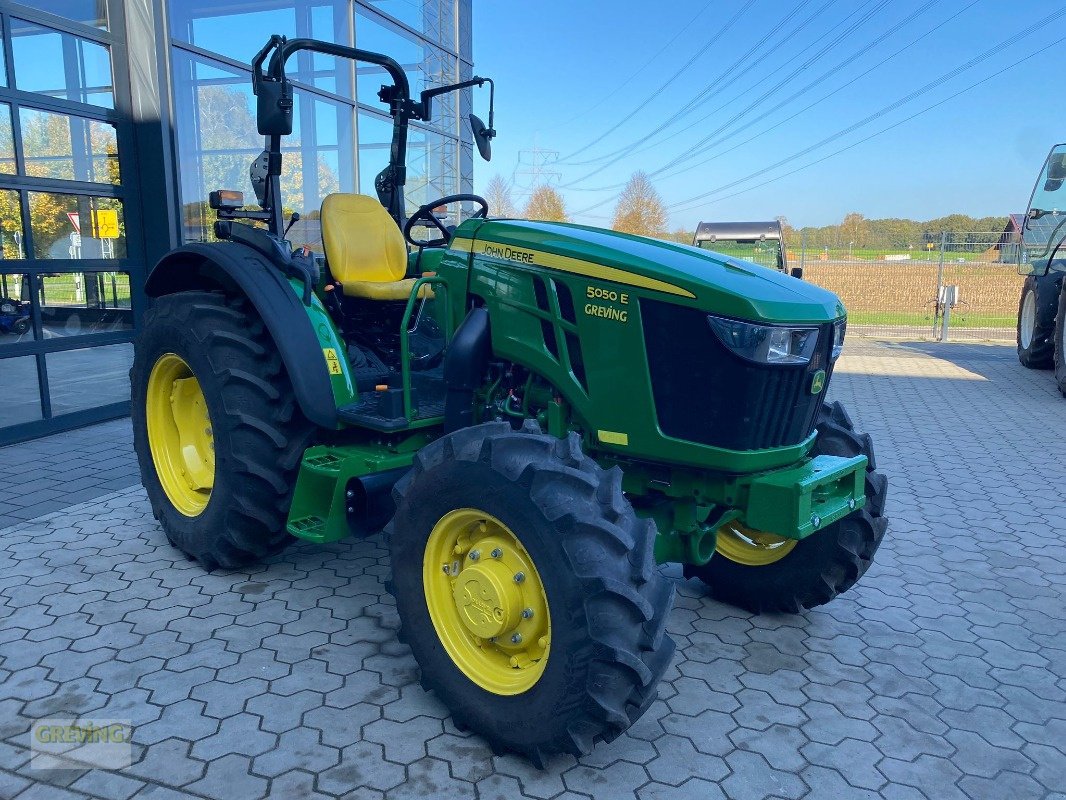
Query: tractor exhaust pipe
[{"x": 370, "y": 504}]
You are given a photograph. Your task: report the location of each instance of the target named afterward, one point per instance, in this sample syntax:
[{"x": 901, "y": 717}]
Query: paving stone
[
  {"x": 168, "y": 763},
  {"x": 940, "y": 675},
  {"x": 362, "y": 765},
  {"x": 237, "y": 734},
  {"x": 107, "y": 785},
  {"x": 300, "y": 748},
  {"x": 228, "y": 777}
]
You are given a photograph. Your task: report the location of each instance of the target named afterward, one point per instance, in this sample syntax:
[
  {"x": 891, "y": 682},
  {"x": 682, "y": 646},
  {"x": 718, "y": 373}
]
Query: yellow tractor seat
[
  {"x": 385, "y": 290},
  {"x": 365, "y": 250}
]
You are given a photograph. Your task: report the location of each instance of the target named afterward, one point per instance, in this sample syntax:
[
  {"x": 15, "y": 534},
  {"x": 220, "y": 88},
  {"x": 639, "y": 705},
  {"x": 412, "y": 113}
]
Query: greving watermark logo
[{"x": 80, "y": 743}]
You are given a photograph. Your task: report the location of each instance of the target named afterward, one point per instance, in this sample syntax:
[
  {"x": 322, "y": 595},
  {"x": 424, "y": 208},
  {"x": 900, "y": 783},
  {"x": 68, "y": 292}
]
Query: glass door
[{"x": 73, "y": 261}]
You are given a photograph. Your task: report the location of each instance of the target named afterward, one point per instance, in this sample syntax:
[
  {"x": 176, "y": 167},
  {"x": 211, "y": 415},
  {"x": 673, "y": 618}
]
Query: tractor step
[{"x": 366, "y": 414}]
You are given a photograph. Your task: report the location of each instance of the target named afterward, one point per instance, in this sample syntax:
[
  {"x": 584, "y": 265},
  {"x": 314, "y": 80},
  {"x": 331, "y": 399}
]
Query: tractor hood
[{"x": 687, "y": 275}]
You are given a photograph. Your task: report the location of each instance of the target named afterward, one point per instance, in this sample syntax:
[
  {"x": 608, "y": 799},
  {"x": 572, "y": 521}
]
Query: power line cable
[
  {"x": 888, "y": 108},
  {"x": 889, "y": 127},
  {"x": 776, "y": 87},
  {"x": 702, "y": 146},
  {"x": 588, "y": 109},
  {"x": 709, "y": 88},
  {"x": 809, "y": 106},
  {"x": 721, "y": 32}
]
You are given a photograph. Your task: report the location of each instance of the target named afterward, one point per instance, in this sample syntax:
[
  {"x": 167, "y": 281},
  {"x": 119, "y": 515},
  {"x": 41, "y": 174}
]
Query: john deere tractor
[{"x": 537, "y": 414}]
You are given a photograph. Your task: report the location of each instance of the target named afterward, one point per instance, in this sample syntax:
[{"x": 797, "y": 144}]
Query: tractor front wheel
[
  {"x": 760, "y": 571},
  {"x": 527, "y": 590},
  {"x": 216, "y": 427}
]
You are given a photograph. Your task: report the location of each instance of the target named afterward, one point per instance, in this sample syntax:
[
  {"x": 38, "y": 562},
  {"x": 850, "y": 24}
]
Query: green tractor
[{"x": 537, "y": 414}]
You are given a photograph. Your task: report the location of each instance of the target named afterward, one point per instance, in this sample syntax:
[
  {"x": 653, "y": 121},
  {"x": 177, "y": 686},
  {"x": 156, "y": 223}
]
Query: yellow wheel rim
[
  {"x": 486, "y": 601},
  {"x": 751, "y": 548},
  {"x": 179, "y": 435}
]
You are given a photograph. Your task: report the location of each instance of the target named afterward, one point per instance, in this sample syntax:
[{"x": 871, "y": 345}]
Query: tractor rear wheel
[
  {"x": 1036, "y": 321},
  {"x": 527, "y": 590},
  {"x": 216, "y": 427},
  {"x": 1060, "y": 342},
  {"x": 760, "y": 571}
]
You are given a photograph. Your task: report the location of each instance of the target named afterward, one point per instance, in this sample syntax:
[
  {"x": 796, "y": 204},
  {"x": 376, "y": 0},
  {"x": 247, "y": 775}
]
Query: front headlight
[
  {"x": 839, "y": 327},
  {"x": 766, "y": 344}
]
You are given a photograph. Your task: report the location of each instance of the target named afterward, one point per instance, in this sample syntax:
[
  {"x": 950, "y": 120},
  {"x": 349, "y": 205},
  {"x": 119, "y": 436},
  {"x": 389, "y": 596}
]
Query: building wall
[{"x": 117, "y": 117}]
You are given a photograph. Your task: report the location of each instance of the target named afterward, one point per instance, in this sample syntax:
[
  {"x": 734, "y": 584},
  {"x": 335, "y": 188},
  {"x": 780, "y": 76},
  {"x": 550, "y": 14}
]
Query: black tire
[
  {"x": 1036, "y": 329},
  {"x": 259, "y": 432},
  {"x": 608, "y": 602},
  {"x": 824, "y": 564},
  {"x": 1059, "y": 341}
]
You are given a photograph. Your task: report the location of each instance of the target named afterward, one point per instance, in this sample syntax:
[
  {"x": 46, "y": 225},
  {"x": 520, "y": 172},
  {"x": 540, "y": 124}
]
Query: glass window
[
  {"x": 77, "y": 303},
  {"x": 3, "y": 64},
  {"x": 425, "y": 64},
  {"x": 20, "y": 394},
  {"x": 15, "y": 320},
  {"x": 219, "y": 141},
  {"x": 61, "y": 64},
  {"x": 238, "y": 30},
  {"x": 11, "y": 242},
  {"x": 434, "y": 19},
  {"x": 7, "y": 142},
  {"x": 90, "y": 12},
  {"x": 375, "y": 137},
  {"x": 432, "y": 167},
  {"x": 76, "y": 226},
  {"x": 89, "y": 377},
  {"x": 68, "y": 147}
]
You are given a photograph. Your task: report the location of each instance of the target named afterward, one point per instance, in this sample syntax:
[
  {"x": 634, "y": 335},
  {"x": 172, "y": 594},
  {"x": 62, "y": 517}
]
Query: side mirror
[
  {"x": 482, "y": 136},
  {"x": 273, "y": 112},
  {"x": 797, "y": 272}
]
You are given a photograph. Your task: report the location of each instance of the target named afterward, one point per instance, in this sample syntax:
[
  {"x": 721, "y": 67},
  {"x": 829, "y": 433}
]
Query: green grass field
[
  {"x": 62, "y": 289},
  {"x": 903, "y": 319}
]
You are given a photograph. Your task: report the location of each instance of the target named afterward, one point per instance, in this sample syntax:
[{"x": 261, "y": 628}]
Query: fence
[{"x": 906, "y": 291}]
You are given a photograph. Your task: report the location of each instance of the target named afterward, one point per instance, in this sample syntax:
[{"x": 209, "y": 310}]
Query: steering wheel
[{"x": 425, "y": 213}]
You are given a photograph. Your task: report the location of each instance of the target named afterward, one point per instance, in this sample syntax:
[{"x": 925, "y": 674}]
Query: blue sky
[{"x": 977, "y": 154}]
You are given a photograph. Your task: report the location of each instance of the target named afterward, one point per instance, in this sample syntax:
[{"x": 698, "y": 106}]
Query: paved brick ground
[
  {"x": 942, "y": 676},
  {"x": 53, "y": 473}
]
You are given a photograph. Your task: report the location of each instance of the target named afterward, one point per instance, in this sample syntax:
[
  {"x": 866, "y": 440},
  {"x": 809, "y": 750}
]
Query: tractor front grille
[{"x": 705, "y": 393}]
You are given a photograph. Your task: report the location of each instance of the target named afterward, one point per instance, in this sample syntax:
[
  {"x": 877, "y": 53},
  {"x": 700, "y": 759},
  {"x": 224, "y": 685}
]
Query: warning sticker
[{"x": 332, "y": 361}]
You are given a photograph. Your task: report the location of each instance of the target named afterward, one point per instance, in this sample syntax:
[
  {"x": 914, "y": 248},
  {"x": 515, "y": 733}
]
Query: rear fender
[{"x": 310, "y": 347}]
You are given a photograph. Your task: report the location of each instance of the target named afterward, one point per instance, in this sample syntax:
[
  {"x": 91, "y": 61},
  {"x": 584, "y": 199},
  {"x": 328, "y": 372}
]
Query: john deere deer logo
[{"x": 818, "y": 382}]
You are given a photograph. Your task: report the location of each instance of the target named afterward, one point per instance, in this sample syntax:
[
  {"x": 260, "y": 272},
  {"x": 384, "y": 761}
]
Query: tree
[
  {"x": 546, "y": 204},
  {"x": 498, "y": 195},
  {"x": 855, "y": 228},
  {"x": 640, "y": 208}
]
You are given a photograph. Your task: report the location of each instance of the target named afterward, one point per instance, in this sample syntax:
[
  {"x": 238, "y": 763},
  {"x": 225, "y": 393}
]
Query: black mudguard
[{"x": 238, "y": 268}]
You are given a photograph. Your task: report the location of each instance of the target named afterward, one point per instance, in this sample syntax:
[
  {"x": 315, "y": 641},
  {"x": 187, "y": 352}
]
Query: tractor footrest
[{"x": 367, "y": 414}]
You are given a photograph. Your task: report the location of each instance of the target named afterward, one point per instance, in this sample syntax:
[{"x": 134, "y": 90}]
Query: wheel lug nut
[
  {"x": 497, "y": 553},
  {"x": 519, "y": 577},
  {"x": 475, "y": 555},
  {"x": 516, "y": 638},
  {"x": 527, "y": 613}
]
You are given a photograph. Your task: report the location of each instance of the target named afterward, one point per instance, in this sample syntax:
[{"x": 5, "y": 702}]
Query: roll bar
[{"x": 274, "y": 110}]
